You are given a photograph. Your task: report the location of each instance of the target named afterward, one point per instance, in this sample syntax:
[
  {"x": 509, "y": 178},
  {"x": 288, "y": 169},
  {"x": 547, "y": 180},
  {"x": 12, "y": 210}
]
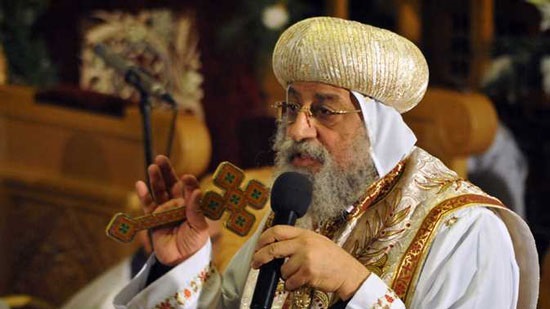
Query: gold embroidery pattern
[
  {"x": 413, "y": 257},
  {"x": 443, "y": 180},
  {"x": 307, "y": 297},
  {"x": 383, "y": 227},
  {"x": 301, "y": 298},
  {"x": 189, "y": 293}
]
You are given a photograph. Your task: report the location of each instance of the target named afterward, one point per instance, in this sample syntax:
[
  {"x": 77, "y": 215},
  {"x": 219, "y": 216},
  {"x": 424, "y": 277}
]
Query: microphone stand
[{"x": 132, "y": 78}]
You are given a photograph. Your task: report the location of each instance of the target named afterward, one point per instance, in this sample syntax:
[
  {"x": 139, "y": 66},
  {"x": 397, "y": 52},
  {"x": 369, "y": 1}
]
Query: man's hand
[
  {"x": 313, "y": 260},
  {"x": 174, "y": 244}
]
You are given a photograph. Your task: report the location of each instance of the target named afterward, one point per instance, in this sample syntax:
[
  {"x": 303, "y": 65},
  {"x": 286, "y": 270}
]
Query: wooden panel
[
  {"x": 54, "y": 231},
  {"x": 63, "y": 174},
  {"x": 42, "y": 136}
]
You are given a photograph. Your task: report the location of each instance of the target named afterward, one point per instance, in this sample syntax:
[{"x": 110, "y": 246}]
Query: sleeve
[
  {"x": 471, "y": 264},
  {"x": 179, "y": 288}
]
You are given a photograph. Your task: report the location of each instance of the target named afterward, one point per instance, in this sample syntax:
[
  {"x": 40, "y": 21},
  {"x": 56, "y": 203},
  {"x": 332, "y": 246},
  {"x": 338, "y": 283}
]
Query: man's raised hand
[{"x": 175, "y": 243}]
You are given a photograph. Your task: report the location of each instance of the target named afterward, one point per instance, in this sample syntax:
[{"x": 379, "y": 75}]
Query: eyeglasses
[{"x": 288, "y": 112}]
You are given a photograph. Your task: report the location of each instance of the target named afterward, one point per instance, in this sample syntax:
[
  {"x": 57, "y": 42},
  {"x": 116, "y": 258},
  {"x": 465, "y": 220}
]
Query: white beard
[{"x": 335, "y": 188}]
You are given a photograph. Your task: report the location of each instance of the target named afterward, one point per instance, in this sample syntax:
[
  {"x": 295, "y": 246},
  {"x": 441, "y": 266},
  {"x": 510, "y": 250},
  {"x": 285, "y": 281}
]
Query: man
[{"x": 389, "y": 225}]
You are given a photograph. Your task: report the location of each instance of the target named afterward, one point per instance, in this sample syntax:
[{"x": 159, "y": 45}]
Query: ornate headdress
[{"x": 372, "y": 61}]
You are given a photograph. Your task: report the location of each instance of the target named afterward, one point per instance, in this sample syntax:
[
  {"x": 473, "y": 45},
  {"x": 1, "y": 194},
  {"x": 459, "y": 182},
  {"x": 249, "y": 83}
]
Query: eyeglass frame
[{"x": 280, "y": 105}]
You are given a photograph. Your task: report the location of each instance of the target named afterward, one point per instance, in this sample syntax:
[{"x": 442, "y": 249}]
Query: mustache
[{"x": 289, "y": 149}]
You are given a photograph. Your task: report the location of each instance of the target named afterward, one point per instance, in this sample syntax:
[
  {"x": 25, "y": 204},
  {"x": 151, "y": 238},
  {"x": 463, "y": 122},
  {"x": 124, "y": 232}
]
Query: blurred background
[{"x": 71, "y": 140}]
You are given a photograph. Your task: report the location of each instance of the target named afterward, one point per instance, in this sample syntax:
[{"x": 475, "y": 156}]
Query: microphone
[
  {"x": 134, "y": 75},
  {"x": 290, "y": 199}
]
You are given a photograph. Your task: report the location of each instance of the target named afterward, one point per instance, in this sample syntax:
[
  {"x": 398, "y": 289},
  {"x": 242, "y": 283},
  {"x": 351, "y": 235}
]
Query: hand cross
[{"x": 234, "y": 200}]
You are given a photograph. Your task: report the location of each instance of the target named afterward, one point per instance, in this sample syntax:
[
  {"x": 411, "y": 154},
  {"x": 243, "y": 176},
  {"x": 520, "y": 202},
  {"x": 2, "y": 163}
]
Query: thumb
[
  {"x": 193, "y": 211},
  {"x": 193, "y": 195}
]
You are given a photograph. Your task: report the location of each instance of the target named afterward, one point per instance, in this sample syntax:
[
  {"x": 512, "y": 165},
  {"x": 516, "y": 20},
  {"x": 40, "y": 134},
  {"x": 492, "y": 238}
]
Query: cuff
[
  {"x": 374, "y": 293},
  {"x": 180, "y": 286}
]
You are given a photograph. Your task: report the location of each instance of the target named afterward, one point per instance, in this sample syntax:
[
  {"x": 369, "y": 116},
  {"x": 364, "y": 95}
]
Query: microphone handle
[{"x": 266, "y": 286}]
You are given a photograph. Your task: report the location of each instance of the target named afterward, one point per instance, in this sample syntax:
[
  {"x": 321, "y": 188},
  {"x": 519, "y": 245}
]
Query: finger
[
  {"x": 290, "y": 267},
  {"x": 190, "y": 184},
  {"x": 297, "y": 279},
  {"x": 194, "y": 214},
  {"x": 276, "y": 250},
  {"x": 177, "y": 190},
  {"x": 277, "y": 233},
  {"x": 158, "y": 185},
  {"x": 144, "y": 197},
  {"x": 215, "y": 229},
  {"x": 168, "y": 173},
  {"x": 192, "y": 194}
]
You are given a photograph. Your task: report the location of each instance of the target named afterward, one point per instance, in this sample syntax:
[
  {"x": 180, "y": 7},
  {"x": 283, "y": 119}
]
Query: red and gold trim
[
  {"x": 378, "y": 190},
  {"x": 415, "y": 255}
]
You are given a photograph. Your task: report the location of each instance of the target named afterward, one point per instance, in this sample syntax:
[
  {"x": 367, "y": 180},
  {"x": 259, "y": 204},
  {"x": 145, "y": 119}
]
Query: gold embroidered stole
[{"x": 393, "y": 237}]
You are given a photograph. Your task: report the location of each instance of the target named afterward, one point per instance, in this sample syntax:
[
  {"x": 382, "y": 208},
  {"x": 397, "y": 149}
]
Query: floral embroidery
[
  {"x": 165, "y": 305},
  {"x": 386, "y": 301},
  {"x": 190, "y": 292},
  {"x": 379, "y": 230},
  {"x": 441, "y": 180}
]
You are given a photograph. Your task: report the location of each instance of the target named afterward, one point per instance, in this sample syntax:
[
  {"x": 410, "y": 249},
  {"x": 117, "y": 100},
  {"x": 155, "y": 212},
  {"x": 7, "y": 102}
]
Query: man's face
[
  {"x": 336, "y": 137},
  {"x": 333, "y": 152}
]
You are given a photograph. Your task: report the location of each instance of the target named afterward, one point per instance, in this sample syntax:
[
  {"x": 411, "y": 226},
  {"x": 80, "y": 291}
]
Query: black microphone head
[{"x": 291, "y": 192}]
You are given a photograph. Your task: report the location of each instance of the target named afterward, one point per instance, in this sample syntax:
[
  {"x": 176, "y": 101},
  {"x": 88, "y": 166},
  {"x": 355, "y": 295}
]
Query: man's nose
[{"x": 302, "y": 128}]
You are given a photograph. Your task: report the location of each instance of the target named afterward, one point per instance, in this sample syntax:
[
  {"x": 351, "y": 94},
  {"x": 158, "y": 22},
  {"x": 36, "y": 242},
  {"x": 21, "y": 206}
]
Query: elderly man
[{"x": 389, "y": 225}]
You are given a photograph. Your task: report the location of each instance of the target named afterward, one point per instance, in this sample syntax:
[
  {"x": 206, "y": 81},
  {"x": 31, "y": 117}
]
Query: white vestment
[{"x": 471, "y": 265}]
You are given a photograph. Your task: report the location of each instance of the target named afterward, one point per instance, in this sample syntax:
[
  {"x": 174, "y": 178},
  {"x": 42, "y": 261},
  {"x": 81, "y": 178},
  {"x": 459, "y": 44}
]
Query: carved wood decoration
[{"x": 160, "y": 41}]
